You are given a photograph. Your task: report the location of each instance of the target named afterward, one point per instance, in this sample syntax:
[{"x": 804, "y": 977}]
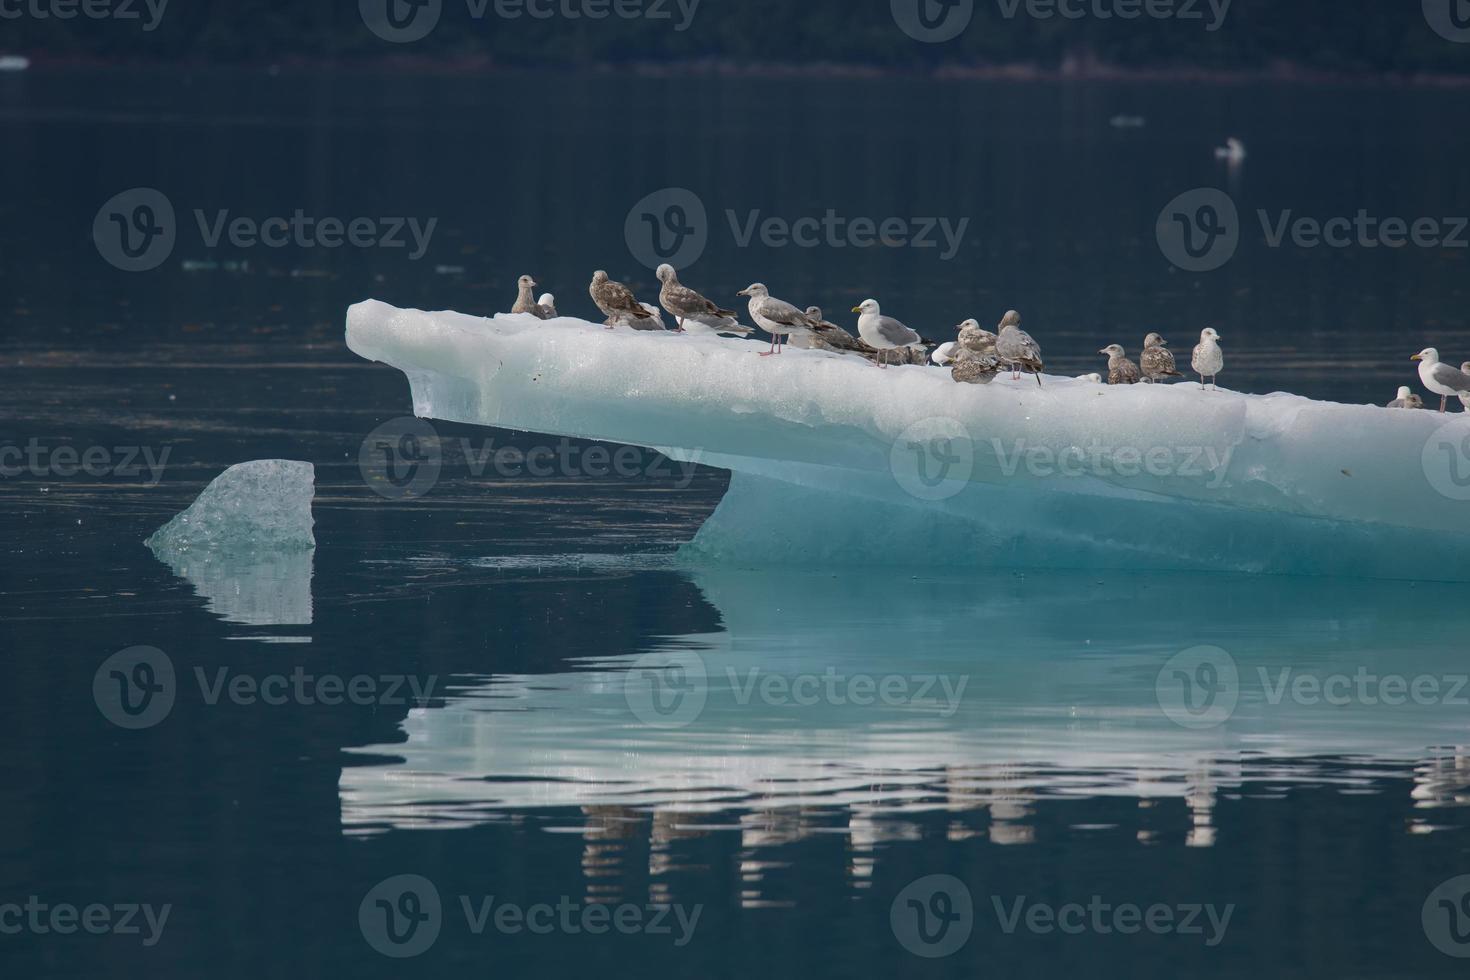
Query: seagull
[
  {"x": 685, "y": 304},
  {"x": 829, "y": 336},
  {"x": 1233, "y": 152},
  {"x": 1121, "y": 371},
  {"x": 616, "y": 300},
  {"x": 975, "y": 360},
  {"x": 1407, "y": 399},
  {"x": 775, "y": 316},
  {"x": 1465, "y": 399},
  {"x": 976, "y": 340},
  {"x": 547, "y": 305},
  {"x": 883, "y": 333},
  {"x": 1440, "y": 378},
  {"x": 1157, "y": 361},
  {"x": 1208, "y": 360},
  {"x": 526, "y": 300},
  {"x": 1090, "y": 378},
  {"x": 652, "y": 319},
  {"x": 944, "y": 354},
  {"x": 1016, "y": 347}
]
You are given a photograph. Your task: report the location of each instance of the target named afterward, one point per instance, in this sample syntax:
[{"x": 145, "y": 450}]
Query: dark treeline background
[{"x": 1335, "y": 36}]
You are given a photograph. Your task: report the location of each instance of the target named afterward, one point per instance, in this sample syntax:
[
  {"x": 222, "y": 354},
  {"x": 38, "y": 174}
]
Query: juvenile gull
[
  {"x": 1121, "y": 371},
  {"x": 1016, "y": 347},
  {"x": 1208, "y": 359},
  {"x": 653, "y": 320},
  {"x": 883, "y": 333},
  {"x": 547, "y": 305},
  {"x": 977, "y": 340},
  {"x": 776, "y": 317},
  {"x": 1406, "y": 399},
  {"x": 975, "y": 359},
  {"x": 1440, "y": 378},
  {"x": 525, "y": 299},
  {"x": 1157, "y": 362},
  {"x": 615, "y": 300},
  {"x": 685, "y": 304},
  {"x": 829, "y": 336}
]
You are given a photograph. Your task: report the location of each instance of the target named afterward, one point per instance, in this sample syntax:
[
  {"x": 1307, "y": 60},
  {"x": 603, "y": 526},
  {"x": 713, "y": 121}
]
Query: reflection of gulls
[
  {"x": 547, "y": 305},
  {"x": 616, "y": 300},
  {"x": 1121, "y": 371},
  {"x": 883, "y": 333},
  {"x": 775, "y": 316},
  {"x": 685, "y": 304},
  {"x": 525, "y": 299},
  {"x": 944, "y": 354},
  {"x": 1407, "y": 399},
  {"x": 1016, "y": 347},
  {"x": 1157, "y": 361},
  {"x": 829, "y": 336},
  {"x": 1208, "y": 360},
  {"x": 1440, "y": 378},
  {"x": 1233, "y": 152}
]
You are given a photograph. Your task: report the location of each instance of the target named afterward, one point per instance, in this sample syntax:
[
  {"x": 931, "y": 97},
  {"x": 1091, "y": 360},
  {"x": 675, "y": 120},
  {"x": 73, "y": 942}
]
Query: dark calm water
[{"x": 1060, "y": 761}]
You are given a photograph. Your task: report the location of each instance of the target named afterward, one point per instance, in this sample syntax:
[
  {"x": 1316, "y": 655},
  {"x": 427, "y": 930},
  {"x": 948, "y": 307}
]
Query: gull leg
[
  {"x": 1444, "y": 404},
  {"x": 768, "y": 353}
]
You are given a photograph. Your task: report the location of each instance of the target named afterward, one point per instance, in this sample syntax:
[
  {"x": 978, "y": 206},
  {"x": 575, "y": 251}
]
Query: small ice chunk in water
[{"x": 262, "y": 505}]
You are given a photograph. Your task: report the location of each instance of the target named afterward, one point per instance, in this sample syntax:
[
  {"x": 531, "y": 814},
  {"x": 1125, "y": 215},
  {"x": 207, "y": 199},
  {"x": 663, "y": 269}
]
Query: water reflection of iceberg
[
  {"x": 1062, "y": 699},
  {"x": 267, "y": 589}
]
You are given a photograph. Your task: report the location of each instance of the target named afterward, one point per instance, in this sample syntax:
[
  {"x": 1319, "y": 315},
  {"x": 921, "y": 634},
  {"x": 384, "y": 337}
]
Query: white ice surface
[{"x": 834, "y": 460}]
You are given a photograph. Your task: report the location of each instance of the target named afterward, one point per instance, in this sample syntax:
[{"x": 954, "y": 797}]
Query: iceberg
[
  {"x": 246, "y": 543},
  {"x": 833, "y": 461}
]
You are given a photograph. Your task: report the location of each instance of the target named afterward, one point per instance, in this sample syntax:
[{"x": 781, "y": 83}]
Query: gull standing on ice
[
  {"x": 1016, "y": 347},
  {"x": 1440, "y": 378},
  {"x": 1157, "y": 362},
  {"x": 1208, "y": 360},
  {"x": 1121, "y": 371},
  {"x": 616, "y": 300},
  {"x": 883, "y": 333},
  {"x": 685, "y": 305},
  {"x": 1406, "y": 399},
  {"x": 776, "y": 317},
  {"x": 547, "y": 305},
  {"x": 526, "y": 300}
]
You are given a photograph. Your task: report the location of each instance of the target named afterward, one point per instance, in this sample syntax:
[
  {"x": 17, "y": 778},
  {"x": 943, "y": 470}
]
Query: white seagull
[
  {"x": 775, "y": 316},
  {"x": 883, "y": 333},
  {"x": 1208, "y": 360},
  {"x": 1440, "y": 378}
]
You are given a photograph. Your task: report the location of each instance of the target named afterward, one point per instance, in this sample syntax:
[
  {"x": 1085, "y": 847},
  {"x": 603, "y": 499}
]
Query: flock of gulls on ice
[{"x": 977, "y": 357}]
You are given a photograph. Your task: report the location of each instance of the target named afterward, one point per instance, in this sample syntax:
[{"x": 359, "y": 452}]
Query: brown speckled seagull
[
  {"x": 685, "y": 304},
  {"x": 829, "y": 336},
  {"x": 615, "y": 300},
  {"x": 1157, "y": 362},
  {"x": 526, "y": 299},
  {"x": 1121, "y": 371}
]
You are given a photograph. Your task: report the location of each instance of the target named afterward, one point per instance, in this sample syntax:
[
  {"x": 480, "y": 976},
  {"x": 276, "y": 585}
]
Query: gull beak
[
  {"x": 1417, "y": 357},
  {"x": 857, "y": 309},
  {"x": 1103, "y": 351},
  {"x": 743, "y": 292}
]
